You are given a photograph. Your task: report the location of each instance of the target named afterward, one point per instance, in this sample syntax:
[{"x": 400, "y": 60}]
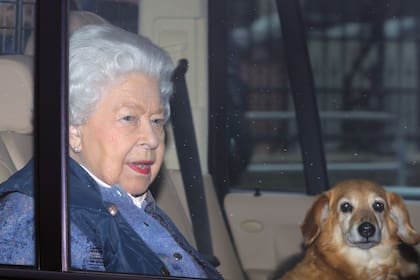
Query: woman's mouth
[{"x": 142, "y": 167}]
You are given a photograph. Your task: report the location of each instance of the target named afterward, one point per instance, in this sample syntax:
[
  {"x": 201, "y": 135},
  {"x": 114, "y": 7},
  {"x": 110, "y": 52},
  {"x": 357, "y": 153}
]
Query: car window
[
  {"x": 17, "y": 23},
  {"x": 17, "y": 20},
  {"x": 365, "y": 63},
  {"x": 47, "y": 214},
  {"x": 365, "y": 68}
]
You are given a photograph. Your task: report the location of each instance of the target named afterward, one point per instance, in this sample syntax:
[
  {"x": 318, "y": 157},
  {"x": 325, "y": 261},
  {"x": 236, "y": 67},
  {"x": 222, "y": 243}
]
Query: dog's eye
[
  {"x": 346, "y": 207},
  {"x": 378, "y": 206}
]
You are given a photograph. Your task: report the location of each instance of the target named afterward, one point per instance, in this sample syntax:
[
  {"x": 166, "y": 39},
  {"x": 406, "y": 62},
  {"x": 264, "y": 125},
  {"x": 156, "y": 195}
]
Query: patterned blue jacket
[{"x": 129, "y": 240}]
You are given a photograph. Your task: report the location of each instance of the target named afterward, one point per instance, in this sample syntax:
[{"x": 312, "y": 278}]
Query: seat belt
[{"x": 189, "y": 161}]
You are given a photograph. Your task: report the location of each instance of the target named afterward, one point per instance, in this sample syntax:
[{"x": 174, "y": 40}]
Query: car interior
[{"x": 255, "y": 234}]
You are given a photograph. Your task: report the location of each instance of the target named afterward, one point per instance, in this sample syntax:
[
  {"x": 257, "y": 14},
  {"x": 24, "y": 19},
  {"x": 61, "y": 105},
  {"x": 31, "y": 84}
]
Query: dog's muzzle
[{"x": 364, "y": 236}]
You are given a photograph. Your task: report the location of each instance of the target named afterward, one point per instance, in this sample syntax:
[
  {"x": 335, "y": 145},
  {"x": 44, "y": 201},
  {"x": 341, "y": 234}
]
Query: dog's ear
[
  {"x": 399, "y": 215},
  {"x": 314, "y": 218}
]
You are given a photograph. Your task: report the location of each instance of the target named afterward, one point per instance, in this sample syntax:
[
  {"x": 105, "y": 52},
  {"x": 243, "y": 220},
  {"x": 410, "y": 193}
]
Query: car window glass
[
  {"x": 365, "y": 68},
  {"x": 17, "y": 25},
  {"x": 365, "y": 63}
]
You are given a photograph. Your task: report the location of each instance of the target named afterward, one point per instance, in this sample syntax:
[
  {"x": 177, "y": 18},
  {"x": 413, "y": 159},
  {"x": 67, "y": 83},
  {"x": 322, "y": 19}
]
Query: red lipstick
[{"x": 142, "y": 167}]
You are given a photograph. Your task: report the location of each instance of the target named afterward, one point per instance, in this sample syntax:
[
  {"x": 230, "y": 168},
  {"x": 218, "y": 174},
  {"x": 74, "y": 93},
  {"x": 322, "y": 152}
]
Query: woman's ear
[
  {"x": 399, "y": 215},
  {"x": 314, "y": 219},
  {"x": 75, "y": 138}
]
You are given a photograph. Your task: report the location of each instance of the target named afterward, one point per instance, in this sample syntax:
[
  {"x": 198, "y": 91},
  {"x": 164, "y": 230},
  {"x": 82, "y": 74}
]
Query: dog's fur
[{"x": 353, "y": 232}]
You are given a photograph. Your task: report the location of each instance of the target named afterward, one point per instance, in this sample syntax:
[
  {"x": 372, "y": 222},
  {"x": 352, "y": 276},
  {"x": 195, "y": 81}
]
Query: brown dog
[{"x": 353, "y": 232}]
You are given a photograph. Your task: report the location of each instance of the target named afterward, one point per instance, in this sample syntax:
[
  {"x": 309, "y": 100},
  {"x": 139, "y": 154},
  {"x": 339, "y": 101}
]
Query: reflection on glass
[
  {"x": 17, "y": 245},
  {"x": 16, "y": 25},
  {"x": 365, "y": 63}
]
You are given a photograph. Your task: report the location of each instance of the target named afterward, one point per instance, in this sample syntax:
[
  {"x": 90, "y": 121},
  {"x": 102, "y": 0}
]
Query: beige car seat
[{"x": 16, "y": 111}]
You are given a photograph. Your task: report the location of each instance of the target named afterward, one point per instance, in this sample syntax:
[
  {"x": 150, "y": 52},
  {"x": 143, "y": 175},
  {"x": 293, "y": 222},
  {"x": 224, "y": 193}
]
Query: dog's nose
[{"x": 366, "y": 229}]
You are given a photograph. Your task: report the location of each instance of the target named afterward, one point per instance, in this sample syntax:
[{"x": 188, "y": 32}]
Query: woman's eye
[
  {"x": 128, "y": 118},
  {"x": 158, "y": 122},
  {"x": 346, "y": 207}
]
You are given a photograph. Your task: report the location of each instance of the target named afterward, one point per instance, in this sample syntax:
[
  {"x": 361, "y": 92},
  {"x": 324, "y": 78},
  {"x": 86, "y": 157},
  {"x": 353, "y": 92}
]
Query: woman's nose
[{"x": 149, "y": 135}]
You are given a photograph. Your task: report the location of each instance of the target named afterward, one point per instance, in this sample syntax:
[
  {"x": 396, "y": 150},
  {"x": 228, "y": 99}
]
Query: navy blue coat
[{"x": 121, "y": 247}]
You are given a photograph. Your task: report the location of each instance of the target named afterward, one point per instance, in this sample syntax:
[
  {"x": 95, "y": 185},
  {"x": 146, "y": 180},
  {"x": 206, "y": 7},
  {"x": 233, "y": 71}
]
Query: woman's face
[{"x": 122, "y": 142}]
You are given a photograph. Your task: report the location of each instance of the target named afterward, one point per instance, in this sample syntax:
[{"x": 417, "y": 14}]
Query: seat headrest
[{"x": 16, "y": 93}]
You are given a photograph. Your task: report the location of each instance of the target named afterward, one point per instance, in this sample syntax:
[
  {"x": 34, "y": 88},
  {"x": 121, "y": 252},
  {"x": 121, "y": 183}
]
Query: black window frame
[{"x": 51, "y": 57}]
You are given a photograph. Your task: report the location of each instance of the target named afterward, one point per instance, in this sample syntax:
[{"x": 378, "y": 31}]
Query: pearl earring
[{"x": 76, "y": 149}]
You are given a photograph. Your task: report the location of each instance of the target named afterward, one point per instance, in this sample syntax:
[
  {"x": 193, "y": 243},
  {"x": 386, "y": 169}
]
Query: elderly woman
[{"x": 119, "y": 103}]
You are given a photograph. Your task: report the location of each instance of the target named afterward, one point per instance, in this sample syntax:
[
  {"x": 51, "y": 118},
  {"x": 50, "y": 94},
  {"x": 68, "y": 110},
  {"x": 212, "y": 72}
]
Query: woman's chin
[{"x": 136, "y": 189}]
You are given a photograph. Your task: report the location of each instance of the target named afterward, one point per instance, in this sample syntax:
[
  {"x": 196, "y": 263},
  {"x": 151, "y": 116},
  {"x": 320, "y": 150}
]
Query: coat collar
[{"x": 22, "y": 181}]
